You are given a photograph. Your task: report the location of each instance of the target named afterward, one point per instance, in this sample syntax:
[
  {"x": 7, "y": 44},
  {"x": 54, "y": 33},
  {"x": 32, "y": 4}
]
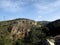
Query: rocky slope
[
  {"x": 18, "y": 28},
  {"x": 23, "y": 31}
]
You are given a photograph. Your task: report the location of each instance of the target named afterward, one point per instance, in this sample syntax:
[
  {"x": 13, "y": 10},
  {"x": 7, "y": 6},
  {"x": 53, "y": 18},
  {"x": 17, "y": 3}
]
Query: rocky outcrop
[
  {"x": 57, "y": 40},
  {"x": 52, "y": 41},
  {"x": 21, "y": 29}
]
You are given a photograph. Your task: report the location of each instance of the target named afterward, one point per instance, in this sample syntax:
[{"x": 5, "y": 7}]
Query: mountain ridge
[{"x": 23, "y": 31}]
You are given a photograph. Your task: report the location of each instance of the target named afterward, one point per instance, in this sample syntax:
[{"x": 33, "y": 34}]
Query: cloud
[
  {"x": 43, "y": 8},
  {"x": 7, "y": 5},
  {"x": 38, "y": 17},
  {"x": 55, "y": 16},
  {"x": 12, "y": 5},
  {"x": 16, "y": 5},
  {"x": 47, "y": 8}
]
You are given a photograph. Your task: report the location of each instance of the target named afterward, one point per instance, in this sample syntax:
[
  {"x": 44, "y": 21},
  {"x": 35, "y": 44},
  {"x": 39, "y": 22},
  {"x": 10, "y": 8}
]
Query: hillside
[
  {"x": 43, "y": 22},
  {"x": 13, "y": 30},
  {"x": 54, "y": 27},
  {"x": 23, "y": 31}
]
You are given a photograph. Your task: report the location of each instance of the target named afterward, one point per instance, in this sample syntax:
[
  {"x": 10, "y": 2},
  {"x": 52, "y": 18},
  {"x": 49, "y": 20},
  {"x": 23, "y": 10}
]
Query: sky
[{"x": 39, "y": 10}]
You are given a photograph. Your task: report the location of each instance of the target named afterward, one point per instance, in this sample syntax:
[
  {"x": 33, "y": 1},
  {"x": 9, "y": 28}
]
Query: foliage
[
  {"x": 36, "y": 36},
  {"x": 54, "y": 28}
]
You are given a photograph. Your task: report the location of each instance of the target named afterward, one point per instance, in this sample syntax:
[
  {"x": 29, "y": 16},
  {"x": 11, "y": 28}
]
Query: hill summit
[{"x": 23, "y": 31}]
